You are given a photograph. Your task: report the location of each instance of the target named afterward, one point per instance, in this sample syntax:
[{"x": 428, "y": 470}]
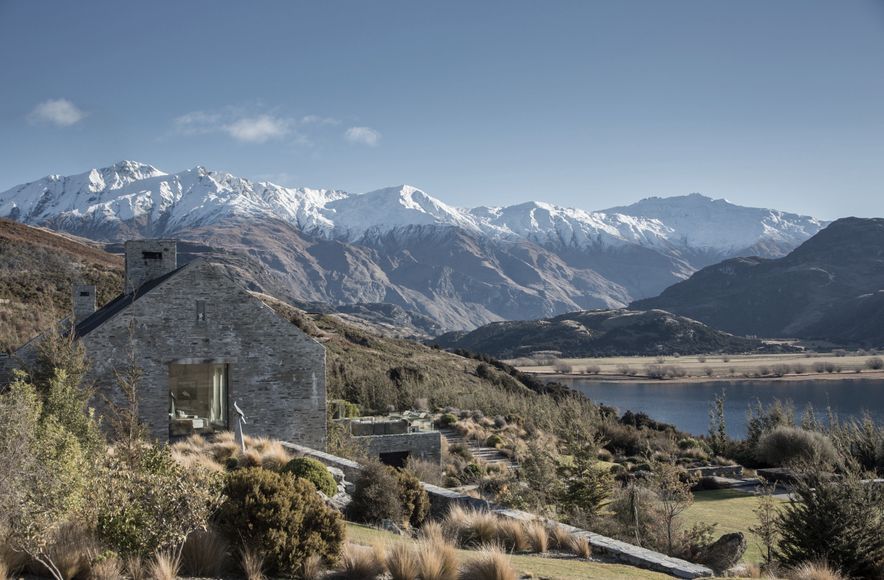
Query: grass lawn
[
  {"x": 731, "y": 510},
  {"x": 538, "y": 566}
]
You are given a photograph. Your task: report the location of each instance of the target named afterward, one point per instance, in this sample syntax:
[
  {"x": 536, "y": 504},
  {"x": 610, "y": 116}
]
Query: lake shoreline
[{"x": 869, "y": 375}]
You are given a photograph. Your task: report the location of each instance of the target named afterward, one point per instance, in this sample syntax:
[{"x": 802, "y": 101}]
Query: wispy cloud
[
  {"x": 317, "y": 120},
  {"x": 59, "y": 112},
  {"x": 247, "y": 128},
  {"x": 258, "y": 129},
  {"x": 362, "y": 136}
]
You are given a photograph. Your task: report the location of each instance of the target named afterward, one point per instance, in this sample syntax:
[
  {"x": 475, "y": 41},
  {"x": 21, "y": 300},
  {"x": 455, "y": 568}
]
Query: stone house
[{"x": 202, "y": 342}]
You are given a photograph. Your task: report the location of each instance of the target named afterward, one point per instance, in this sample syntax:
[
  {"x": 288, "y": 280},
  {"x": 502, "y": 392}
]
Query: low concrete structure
[{"x": 395, "y": 439}]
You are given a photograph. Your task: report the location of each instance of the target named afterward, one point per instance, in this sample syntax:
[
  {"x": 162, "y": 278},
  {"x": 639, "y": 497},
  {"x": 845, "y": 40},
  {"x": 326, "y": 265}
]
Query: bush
[
  {"x": 281, "y": 517},
  {"x": 446, "y": 420},
  {"x": 378, "y": 496},
  {"x": 875, "y": 363},
  {"x": 789, "y": 445},
  {"x": 314, "y": 472},
  {"x": 834, "y": 520},
  {"x": 413, "y": 498}
]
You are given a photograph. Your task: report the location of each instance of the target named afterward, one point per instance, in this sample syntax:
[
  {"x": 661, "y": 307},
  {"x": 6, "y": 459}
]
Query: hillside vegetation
[
  {"x": 598, "y": 333},
  {"x": 37, "y": 269},
  {"x": 831, "y": 287}
]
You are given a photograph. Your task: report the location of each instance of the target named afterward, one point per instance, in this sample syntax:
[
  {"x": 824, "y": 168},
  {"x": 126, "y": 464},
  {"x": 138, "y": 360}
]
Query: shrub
[
  {"x": 413, "y": 498},
  {"x": 494, "y": 440},
  {"x": 281, "y": 516},
  {"x": 592, "y": 369},
  {"x": 788, "y": 445},
  {"x": 875, "y": 363},
  {"x": 833, "y": 520},
  {"x": 106, "y": 566},
  {"x": 446, "y": 420},
  {"x": 314, "y": 472},
  {"x": 149, "y": 503},
  {"x": 375, "y": 497}
]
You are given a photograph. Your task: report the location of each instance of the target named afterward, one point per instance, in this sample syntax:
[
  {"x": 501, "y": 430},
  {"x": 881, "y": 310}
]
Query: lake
[{"x": 686, "y": 405}]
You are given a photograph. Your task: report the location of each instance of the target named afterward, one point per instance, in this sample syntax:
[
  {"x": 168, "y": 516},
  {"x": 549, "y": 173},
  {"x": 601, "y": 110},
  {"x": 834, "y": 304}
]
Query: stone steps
[{"x": 482, "y": 453}]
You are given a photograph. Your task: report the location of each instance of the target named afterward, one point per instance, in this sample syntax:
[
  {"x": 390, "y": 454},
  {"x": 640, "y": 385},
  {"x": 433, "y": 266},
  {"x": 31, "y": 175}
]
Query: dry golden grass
[
  {"x": 437, "y": 559},
  {"x": 491, "y": 564},
  {"x": 560, "y": 538},
  {"x": 204, "y": 553},
  {"x": 110, "y": 568},
  {"x": 251, "y": 562},
  {"x": 71, "y": 549},
  {"x": 581, "y": 547},
  {"x": 402, "y": 562},
  {"x": 197, "y": 451},
  {"x": 164, "y": 566},
  {"x": 511, "y": 535},
  {"x": 538, "y": 538},
  {"x": 312, "y": 568},
  {"x": 470, "y": 527},
  {"x": 135, "y": 568},
  {"x": 433, "y": 532},
  {"x": 360, "y": 563},
  {"x": 815, "y": 571}
]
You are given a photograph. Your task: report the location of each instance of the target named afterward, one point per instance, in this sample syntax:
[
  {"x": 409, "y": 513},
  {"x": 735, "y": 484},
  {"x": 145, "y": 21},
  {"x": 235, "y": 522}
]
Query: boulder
[{"x": 724, "y": 552}]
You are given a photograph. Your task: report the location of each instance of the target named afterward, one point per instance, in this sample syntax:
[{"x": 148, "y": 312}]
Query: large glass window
[{"x": 197, "y": 398}]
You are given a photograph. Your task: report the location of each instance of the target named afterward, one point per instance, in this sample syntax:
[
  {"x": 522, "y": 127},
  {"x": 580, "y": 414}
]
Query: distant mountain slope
[
  {"x": 830, "y": 287},
  {"x": 37, "y": 270},
  {"x": 399, "y": 245},
  {"x": 598, "y": 333}
]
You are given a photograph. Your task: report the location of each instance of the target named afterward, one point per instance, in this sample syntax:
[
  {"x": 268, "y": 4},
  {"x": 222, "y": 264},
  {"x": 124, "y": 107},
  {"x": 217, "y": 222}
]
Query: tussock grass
[
  {"x": 581, "y": 547},
  {"x": 815, "y": 571},
  {"x": 470, "y": 527},
  {"x": 110, "y": 568},
  {"x": 360, "y": 563},
  {"x": 71, "y": 549},
  {"x": 538, "y": 538},
  {"x": 214, "y": 454},
  {"x": 312, "y": 568},
  {"x": 511, "y": 535},
  {"x": 491, "y": 564},
  {"x": 164, "y": 566},
  {"x": 437, "y": 559},
  {"x": 204, "y": 553},
  {"x": 251, "y": 562},
  {"x": 559, "y": 537},
  {"x": 402, "y": 562},
  {"x": 135, "y": 568}
]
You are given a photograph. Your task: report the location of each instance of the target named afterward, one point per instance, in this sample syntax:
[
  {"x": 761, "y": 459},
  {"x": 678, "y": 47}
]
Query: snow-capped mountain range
[
  {"x": 578, "y": 258},
  {"x": 197, "y": 197}
]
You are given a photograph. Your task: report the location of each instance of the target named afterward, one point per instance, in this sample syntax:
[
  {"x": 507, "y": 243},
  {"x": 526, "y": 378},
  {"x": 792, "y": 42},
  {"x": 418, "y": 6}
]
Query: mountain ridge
[{"x": 401, "y": 246}]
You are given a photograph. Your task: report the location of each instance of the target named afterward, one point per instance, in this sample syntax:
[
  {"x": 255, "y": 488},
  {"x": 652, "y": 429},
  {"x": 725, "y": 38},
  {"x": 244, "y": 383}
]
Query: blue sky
[{"x": 589, "y": 104}]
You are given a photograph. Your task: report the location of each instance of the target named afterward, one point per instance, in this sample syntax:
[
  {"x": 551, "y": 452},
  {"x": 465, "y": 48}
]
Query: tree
[
  {"x": 767, "y": 515},
  {"x": 46, "y": 473},
  {"x": 839, "y": 520},
  {"x": 717, "y": 425},
  {"x": 674, "y": 495}
]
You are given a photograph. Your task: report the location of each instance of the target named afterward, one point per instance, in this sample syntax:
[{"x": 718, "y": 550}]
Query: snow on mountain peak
[{"x": 128, "y": 190}]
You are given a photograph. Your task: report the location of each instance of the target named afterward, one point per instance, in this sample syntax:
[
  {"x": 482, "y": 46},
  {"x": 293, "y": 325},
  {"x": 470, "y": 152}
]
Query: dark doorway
[{"x": 394, "y": 458}]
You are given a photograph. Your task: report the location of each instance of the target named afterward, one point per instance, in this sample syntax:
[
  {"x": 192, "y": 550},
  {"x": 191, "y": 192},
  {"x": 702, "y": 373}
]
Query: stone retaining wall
[{"x": 441, "y": 499}]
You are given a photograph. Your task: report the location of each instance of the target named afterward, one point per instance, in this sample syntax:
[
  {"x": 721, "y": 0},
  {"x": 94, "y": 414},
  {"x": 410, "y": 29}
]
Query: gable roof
[{"x": 120, "y": 303}]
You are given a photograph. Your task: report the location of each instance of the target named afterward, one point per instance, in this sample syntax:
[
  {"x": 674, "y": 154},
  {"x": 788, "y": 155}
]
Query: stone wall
[
  {"x": 425, "y": 445},
  {"x": 276, "y": 372},
  {"x": 441, "y": 499}
]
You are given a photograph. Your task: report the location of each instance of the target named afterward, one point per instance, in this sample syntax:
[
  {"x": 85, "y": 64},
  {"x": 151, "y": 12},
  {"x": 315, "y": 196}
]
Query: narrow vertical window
[{"x": 200, "y": 310}]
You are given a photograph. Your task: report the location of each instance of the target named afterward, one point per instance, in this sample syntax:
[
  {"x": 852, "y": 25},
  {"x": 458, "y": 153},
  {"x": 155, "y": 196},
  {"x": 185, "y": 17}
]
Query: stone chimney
[
  {"x": 147, "y": 260},
  {"x": 83, "y": 299}
]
